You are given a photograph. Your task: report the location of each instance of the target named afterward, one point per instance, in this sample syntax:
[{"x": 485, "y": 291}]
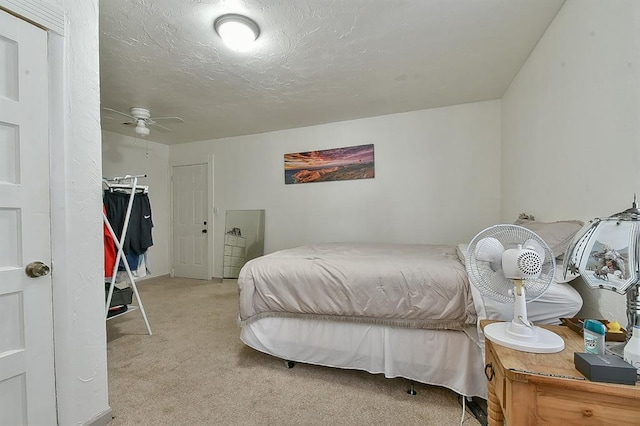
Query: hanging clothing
[
  {"x": 132, "y": 259},
  {"x": 139, "y": 265},
  {"x": 109, "y": 249},
  {"x": 139, "y": 237}
]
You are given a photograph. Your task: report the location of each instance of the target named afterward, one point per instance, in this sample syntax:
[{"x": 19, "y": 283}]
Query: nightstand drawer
[{"x": 568, "y": 407}]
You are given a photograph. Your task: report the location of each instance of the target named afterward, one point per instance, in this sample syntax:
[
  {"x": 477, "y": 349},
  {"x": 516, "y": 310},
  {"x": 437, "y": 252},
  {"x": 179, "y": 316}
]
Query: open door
[{"x": 27, "y": 381}]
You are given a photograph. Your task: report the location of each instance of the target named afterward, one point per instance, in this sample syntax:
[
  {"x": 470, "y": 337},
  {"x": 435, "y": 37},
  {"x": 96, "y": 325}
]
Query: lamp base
[{"x": 538, "y": 340}]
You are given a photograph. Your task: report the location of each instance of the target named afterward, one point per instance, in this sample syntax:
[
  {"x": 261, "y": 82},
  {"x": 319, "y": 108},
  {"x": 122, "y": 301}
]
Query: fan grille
[{"x": 488, "y": 278}]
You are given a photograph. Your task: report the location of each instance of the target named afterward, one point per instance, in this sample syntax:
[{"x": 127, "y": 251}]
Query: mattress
[{"x": 409, "y": 286}]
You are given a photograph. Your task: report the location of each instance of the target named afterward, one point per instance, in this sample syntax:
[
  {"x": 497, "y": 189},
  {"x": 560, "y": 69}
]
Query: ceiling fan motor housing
[{"x": 140, "y": 113}]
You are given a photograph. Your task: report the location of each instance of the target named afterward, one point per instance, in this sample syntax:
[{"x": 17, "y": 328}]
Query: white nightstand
[{"x": 234, "y": 255}]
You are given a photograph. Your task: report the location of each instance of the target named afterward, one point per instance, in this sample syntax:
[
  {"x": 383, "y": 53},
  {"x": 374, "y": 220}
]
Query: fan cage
[{"x": 489, "y": 279}]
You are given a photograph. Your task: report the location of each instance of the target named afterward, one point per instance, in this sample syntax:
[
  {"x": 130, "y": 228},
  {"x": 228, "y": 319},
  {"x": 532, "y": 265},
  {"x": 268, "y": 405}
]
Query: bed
[{"x": 399, "y": 310}]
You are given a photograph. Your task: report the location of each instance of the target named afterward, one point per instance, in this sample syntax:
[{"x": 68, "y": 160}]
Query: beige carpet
[{"x": 194, "y": 370}]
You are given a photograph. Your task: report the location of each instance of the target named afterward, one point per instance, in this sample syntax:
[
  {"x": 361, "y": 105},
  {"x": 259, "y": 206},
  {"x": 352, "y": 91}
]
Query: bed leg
[
  {"x": 289, "y": 364},
  {"x": 411, "y": 390}
]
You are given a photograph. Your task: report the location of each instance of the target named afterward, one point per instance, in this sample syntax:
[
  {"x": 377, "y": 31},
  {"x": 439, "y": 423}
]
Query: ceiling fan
[{"x": 142, "y": 120}]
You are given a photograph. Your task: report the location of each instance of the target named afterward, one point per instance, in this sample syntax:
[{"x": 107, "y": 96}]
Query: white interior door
[
  {"x": 190, "y": 227},
  {"x": 27, "y": 384}
]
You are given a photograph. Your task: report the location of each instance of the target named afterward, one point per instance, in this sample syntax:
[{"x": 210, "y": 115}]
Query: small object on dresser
[
  {"x": 605, "y": 368},
  {"x": 594, "y": 332},
  {"x": 235, "y": 231},
  {"x": 576, "y": 324},
  {"x": 614, "y": 327}
]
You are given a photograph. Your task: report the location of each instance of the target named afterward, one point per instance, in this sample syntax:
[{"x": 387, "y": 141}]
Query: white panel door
[
  {"x": 190, "y": 228},
  {"x": 27, "y": 384}
]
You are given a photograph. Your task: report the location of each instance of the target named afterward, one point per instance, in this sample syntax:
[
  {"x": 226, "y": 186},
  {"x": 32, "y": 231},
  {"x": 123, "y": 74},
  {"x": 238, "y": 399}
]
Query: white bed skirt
[{"x": 436, "y": 357}]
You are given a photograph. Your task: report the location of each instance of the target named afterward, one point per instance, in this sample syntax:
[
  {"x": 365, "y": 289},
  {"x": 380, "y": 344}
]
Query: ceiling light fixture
[
  {"x": 141, "y": 128},
  {"x": 237, "y": 31}
]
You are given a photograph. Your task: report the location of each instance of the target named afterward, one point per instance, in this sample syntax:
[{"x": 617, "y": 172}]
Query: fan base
[{"x": 542, "y": 341}]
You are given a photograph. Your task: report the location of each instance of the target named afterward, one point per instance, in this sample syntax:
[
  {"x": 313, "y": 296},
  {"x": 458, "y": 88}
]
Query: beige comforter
[{"x": 417, "y": 286}]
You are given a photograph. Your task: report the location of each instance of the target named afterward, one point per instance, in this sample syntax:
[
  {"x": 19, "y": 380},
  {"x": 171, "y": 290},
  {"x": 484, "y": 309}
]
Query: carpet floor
[{"x": 194, "y": 370}]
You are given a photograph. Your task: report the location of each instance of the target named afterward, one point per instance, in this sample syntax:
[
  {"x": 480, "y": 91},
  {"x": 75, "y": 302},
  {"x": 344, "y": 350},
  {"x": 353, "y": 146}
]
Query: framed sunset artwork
[{"x": 352, "y": 162}]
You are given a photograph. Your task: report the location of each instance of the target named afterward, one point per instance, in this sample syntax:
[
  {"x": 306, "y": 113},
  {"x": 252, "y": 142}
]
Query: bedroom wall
[
  {"x": 76, "y": 221},
  {"x": 437, "y": 177},
  {"x": 571, "y": 125},
  {"x": 125, "y": 155}
]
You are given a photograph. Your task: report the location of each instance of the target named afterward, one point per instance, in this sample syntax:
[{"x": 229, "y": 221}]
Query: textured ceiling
[{"x": 316, "y": 61}]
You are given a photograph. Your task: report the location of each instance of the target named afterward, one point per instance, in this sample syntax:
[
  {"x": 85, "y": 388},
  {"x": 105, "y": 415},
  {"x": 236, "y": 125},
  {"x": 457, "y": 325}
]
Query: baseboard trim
[
  {"x": 101, "y": 419},
  {"x": 151, "y": 277}
]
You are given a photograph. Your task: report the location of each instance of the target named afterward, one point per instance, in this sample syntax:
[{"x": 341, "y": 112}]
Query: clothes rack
[{"x": 127, "y": 183}]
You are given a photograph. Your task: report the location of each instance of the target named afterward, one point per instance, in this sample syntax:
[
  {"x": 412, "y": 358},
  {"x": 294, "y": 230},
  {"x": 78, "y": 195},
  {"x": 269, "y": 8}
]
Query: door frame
[
  {"x": 47, "y": 16},
  {"x": 51, "y": 18},
  {"x": 211, "y": 213}
]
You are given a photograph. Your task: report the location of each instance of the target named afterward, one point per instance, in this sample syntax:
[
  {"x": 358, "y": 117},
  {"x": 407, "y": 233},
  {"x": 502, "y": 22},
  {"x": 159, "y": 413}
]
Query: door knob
[
  {"x": 204, "y": 231},
  {"x": 36, "y": 269}
]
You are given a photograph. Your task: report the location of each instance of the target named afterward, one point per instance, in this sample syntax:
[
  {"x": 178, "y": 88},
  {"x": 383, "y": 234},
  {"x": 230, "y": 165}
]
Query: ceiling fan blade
[
  {"x": 176, "y": 119},
  {"x": 118, "y": 112},
  {"x": 159, "y": 127}
]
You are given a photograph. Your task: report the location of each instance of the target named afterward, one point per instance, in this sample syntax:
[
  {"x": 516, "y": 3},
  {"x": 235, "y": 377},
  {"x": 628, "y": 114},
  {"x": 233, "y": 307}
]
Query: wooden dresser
[{"x": 546, "y": 389}]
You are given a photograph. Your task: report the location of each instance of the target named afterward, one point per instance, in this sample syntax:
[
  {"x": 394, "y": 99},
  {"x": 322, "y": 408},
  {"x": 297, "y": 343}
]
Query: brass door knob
[{"x": 36, "y": 269}]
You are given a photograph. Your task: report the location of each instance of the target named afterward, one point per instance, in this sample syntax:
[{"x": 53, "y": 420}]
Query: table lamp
[{"x": 606, "y": 252}]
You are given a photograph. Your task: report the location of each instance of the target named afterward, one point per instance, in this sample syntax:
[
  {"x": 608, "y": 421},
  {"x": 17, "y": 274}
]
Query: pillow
[{"x": 557, "y": 235}]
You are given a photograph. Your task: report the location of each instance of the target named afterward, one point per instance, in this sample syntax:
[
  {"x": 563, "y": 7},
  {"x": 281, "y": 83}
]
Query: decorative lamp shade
[{"x": 605, "y": 253}]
